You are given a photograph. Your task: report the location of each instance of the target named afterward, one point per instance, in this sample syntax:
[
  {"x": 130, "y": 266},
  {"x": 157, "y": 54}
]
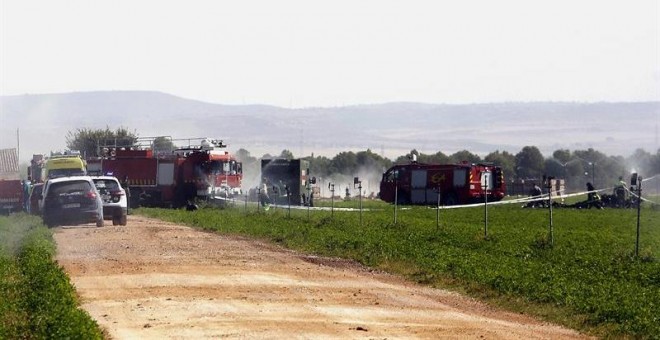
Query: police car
[{"x": 115, "y": 202}]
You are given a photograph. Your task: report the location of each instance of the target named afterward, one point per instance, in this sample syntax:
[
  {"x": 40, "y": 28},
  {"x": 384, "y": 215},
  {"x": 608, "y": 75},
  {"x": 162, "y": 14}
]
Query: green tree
[
  {"x": 641, "y": 162},
  {"x": 286, "y": 154},
  {"x": 655, "y": 164},
  {"x": 407, "y": 158},
  {"x": 464, "y": 155},
  {"x": 163, "y": 144},
  {"x": 436, "y": 158},
  {"x": 344, "y": 163},
  {"x": 319, "y": 166},
  {"x": 562, "y": 155},
  {"x": 89, "y": 141},
  {"x": 505, "y": 160},
  {"x": 529, "y": 163},
  {"x": 553, "y": 167},
  {"x": 369, "y": 160}
]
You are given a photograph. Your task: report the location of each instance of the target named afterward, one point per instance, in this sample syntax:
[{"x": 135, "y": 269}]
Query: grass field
[
  {"x": 588, "y": 279},
  {"x": 37, "y": 301}
]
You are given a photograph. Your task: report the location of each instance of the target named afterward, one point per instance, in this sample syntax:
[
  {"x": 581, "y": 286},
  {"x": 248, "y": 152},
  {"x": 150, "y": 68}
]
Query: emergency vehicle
[
  {"x": 58, "y": 164},
  {"x": 171, "y": 179},
  {"x": 11, "y": 187},
  {"x": 287, "y": 181},
  {"x": 65, "y": 164},
  {"x": 11, "y": 196},
  {"x": 419, "y": 184}
]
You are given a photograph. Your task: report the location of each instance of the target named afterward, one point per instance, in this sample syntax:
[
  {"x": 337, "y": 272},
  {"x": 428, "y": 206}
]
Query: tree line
[{"x": 576, "y": 167}]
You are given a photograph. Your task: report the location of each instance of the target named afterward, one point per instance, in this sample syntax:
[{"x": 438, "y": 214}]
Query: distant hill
[{"x": 391, "y": 128}]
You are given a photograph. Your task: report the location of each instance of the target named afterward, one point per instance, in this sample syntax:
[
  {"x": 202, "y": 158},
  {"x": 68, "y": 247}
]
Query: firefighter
[
  {"x": 263, "y": 193},
  {"x": 620, "y": 193},
  {"x": 535, "y": 193},
  {"x": 593, "y": 198},
  {"x": 27, "y": 187}
]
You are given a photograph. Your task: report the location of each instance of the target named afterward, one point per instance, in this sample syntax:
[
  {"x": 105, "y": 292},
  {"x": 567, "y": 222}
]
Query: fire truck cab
[{"x": 423, "y": 184}]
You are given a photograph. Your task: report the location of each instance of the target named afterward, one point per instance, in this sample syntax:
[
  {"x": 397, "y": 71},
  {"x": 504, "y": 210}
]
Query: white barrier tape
[
  {"x": 650, "y": 178},
  {"x": 298, "y": 207},
  {"x": 543, "y": 197},
  {"x": 643, "y": 199}
]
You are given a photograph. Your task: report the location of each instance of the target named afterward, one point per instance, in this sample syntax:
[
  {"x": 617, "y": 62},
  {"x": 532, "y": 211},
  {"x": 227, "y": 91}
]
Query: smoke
[{"x": 369, "y": 176}]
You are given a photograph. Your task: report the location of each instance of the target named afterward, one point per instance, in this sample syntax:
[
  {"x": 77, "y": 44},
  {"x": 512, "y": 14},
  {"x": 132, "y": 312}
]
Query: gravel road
[{"x": 155, "y": 280}]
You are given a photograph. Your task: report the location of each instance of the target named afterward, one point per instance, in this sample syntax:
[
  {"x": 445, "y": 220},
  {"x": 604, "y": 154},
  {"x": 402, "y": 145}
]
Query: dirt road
[{"x": 153, "y": 279}]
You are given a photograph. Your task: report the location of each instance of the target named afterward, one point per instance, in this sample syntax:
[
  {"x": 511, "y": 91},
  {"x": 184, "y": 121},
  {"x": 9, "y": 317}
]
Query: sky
[{"x": 295, "y": 54}]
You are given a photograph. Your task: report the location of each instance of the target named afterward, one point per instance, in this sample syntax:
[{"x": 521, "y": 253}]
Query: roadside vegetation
[
  {"x": 588, "y": 279},
  {"x": 37, "y": 300}
]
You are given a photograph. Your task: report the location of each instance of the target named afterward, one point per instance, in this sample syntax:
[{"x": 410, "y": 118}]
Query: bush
[{"x": 37, "y": 299}]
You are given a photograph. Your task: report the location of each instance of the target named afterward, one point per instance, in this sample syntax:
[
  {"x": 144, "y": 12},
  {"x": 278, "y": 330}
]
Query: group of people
[{"x": 618, "y": 199}]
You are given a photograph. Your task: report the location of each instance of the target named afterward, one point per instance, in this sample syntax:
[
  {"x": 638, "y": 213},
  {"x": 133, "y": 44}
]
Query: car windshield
[
  {"x": 55, "y": 173},
  {"x": 74, "y": 187},
  {"x": 106, "y": 184}
]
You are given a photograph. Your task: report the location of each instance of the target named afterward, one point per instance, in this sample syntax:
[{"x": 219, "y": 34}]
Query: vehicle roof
[
  {"x": 70, "y": 178},
  {"x": 449, "y": 165},
  {"x": 70, "y": 162},
  {"x": 105, "y": 177}
]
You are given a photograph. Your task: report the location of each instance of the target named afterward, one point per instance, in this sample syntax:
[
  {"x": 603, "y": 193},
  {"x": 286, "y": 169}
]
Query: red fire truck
[
  {"x": 171, "y": 179},
  {"x": 11, "y": 186},
  {"x": 11, "y": 196},
  {"x": 419, "y": 184}
]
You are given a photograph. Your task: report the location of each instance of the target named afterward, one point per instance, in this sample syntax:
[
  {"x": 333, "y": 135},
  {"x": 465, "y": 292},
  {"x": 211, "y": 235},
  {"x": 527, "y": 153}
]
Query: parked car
[
  {"x": 34, "y": 206},
  {"x": 71, "y": 200},
  {"x": 115, "y": 203}
]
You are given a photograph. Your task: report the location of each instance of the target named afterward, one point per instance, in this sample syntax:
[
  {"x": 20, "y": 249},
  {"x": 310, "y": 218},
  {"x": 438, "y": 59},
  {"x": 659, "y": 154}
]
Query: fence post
[
  {"x": 639, "y": 208},
  {"x": 549, "y": 186},
  {"x": 437, "y": 212},
  {"x": 485, "y": 191}
]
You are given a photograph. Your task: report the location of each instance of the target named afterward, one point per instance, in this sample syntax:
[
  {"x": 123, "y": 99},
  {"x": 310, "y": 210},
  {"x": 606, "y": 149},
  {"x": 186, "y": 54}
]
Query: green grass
[
  {"x": 37, "y": 300},
  {"x": 589, "y": 279}
]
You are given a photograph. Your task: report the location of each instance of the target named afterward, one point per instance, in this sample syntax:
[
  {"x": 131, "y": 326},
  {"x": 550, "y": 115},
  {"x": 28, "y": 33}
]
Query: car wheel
[
  {"x": 123, "y": 220},
  {"x": 115, "y": 220},
  {"x": 99, "y": 222}
]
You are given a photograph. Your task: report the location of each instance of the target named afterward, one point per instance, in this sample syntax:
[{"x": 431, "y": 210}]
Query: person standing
[
  {"x": 593, "y": 198},
  {"x": 27, "y": 187},
  {"x": 263, "y": 193}
]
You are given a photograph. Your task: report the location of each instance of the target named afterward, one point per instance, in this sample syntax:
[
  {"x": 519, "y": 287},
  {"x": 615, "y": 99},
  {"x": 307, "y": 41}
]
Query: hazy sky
[{"x": 329, "y": 53}]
